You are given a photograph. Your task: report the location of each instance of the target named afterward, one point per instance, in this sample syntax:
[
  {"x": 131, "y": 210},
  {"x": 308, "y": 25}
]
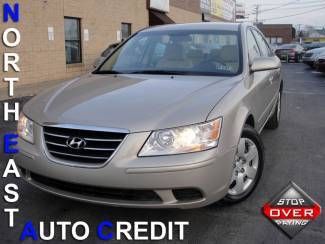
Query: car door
[
  {"x": 259, "y": 96},
  {"x": 272, "y": 78}
]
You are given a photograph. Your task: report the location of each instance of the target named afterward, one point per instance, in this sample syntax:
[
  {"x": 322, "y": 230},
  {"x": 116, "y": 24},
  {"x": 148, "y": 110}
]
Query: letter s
[
  {"x": 11, "y": 189},
  {"x": 280, "y": 202}
]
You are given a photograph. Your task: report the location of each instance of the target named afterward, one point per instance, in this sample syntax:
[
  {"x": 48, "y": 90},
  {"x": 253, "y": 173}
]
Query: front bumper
[
  {"x": 207, "y": 172},
  {"x": 308, "y": 60}
]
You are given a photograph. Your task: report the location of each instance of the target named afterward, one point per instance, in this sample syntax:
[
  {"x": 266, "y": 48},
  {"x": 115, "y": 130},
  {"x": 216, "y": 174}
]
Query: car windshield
[{"x": 177, "y": 52}]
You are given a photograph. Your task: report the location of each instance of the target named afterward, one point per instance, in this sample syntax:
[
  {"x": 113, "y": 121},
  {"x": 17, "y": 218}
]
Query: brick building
[
  {"x": 278, "y": 33},
  {"x": 61, "y": 39}
]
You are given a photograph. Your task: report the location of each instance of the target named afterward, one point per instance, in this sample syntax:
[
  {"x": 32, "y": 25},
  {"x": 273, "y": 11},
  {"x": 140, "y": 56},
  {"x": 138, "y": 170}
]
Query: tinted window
[
  {"x": 264, "y": 48},
  {"x": 288, "y": 46},
  {"x": 190, "y": 52},
  {"x": 72, "y": 40},
  {"x": 253, "y": 49}
]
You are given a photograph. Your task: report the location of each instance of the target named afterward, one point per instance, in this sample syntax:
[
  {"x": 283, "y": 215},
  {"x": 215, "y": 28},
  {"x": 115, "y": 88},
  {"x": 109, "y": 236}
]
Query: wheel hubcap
[{"x": 245, "y": 167}]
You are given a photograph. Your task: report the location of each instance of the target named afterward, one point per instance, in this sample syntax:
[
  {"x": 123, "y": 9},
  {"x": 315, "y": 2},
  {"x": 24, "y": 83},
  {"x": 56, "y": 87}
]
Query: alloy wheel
[{"x": 245, "y": 167}]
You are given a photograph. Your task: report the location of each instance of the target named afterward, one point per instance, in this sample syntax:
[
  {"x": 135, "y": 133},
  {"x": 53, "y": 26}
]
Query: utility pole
[
  {"x": 257, "y": 8},
  {"x": 235, "y": 18},
  {"x": 299, "y": 33}
]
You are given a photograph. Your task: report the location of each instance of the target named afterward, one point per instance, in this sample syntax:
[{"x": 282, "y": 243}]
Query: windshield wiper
[
  {"x": 104, "y": 72},
  {"x": 159, "y": 72}
]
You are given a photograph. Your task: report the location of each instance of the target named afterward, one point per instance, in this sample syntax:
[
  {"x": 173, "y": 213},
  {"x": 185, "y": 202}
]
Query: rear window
[{"x": 288, "y": 46}]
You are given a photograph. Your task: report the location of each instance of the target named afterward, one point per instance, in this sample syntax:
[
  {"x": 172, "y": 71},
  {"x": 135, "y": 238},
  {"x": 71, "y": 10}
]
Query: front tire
[{"x": 247, "y": 167}]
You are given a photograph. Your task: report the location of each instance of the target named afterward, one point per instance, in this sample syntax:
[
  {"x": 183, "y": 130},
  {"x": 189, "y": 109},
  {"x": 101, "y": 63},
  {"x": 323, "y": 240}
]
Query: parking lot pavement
[{"x": 293, "y": 152}]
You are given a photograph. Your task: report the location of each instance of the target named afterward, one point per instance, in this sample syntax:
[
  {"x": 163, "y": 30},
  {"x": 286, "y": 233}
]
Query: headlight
[
  {"x": 193, "y": 138},
  {"x": 26, "y": 128}
]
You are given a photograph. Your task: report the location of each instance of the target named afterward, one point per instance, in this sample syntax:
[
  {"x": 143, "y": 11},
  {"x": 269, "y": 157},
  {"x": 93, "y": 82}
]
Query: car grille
[
  {"x": 308, "y": 55},
  {"x": 99, "y": 147},
  {"x": 99, "y": 192}
]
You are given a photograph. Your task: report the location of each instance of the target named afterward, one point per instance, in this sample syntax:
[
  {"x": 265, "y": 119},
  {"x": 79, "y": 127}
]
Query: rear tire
[
  {"x": 311, "y": 65},
  {"x": 274, "y": 121},
  {"x": 248, "y": 166}
]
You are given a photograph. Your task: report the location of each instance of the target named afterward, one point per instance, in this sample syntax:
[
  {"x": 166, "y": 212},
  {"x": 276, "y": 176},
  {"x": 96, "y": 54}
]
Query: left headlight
[
  {"x": 25, "y": 128},
  {"x": 187, "y": 139}
]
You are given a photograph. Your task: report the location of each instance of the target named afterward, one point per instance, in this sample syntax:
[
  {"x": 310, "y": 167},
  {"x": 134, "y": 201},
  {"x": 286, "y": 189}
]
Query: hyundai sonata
[{"x": 171, "y": 119}]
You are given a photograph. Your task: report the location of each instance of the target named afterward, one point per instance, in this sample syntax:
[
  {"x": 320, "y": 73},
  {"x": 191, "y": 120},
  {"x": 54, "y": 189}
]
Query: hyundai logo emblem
[{"x": 76, "y": 143}]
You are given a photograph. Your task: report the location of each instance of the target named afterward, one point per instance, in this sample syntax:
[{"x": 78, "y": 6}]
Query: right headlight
[
  {"x": 186, "y": 139},
  {"x": 25, "y": 128}
]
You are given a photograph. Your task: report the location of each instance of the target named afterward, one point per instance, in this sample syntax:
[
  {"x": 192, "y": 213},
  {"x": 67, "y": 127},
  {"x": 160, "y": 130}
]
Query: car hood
[
  {"x": 321, "y": 55},
  {"x": 316, "y": 50},
  {"x": 133, "y": 102}
]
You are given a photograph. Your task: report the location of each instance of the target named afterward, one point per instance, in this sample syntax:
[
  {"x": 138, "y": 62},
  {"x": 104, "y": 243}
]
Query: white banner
[
  {"x": 224, "y": 9},
  {"x": 161, "y": 5}
]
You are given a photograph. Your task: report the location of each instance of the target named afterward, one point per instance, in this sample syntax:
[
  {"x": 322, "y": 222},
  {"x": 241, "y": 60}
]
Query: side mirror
[{"x": 262, "y": 64}]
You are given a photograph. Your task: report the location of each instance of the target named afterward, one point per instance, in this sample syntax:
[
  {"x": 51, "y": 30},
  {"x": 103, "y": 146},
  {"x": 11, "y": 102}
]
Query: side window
[
  {"x": 264, "y": 47},
  {"x": 253, "y": 50}
]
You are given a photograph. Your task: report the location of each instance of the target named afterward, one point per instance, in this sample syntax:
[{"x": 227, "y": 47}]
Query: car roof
[{"x": 223, "y": 26}]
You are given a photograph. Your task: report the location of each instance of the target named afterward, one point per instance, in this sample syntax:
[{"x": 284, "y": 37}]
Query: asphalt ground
[{"x": 294, "y": 152}]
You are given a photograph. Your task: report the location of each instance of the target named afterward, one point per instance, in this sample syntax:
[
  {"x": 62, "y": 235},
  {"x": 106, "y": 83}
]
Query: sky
[{"x": 274, "y": 9}]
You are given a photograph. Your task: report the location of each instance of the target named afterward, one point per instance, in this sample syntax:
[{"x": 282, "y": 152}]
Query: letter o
[
  {"x": 275, "y": 213},
  {"x": 74, "y": 231},
  {"x": 5, "y": 37}
]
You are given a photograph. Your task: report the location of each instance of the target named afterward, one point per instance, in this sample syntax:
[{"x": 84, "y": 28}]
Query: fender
[{"x": 234, "y": 117}]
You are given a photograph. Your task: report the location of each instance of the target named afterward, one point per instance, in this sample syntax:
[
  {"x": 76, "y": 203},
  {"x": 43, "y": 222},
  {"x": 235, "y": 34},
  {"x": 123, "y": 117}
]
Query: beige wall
[
  {"x": 184, "y": 16},
  {"x": 44, "y": 60}
]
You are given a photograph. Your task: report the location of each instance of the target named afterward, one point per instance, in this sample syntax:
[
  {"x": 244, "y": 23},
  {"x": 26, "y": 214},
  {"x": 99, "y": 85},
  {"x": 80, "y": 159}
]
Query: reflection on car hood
[
  {"x": 133, "y": 102},
  {"x": 316, "y": 50},
  {"x": 322, "y": 55}
]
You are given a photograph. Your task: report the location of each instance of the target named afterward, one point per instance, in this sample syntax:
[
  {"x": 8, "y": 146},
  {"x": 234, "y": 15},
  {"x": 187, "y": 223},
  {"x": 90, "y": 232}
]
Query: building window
[
  {"x": 275, "y": 40},
  {"x": 126, "y": 30},
  {"x": 72, "y": 40}
]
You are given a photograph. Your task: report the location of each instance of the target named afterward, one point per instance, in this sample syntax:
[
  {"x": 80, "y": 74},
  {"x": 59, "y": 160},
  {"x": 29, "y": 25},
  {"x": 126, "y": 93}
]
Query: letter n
[{"x": 13, "y": 13}]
